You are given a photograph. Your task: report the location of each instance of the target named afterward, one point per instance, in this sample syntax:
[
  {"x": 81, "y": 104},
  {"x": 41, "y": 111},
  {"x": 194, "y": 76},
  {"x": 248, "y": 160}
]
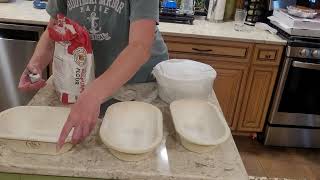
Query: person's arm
[
  {"x": 128, "y": 62},
  {"x": 85, "y": 112},
  {"x": 40, "y": 59}
]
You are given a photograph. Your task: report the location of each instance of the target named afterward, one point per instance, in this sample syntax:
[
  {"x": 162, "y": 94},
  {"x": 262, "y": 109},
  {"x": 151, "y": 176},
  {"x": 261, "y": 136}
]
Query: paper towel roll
[{"x": 218, "y": 11}]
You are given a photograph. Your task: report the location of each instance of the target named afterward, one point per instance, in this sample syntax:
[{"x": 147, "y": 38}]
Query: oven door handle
[{"x": 306, "y": 65}]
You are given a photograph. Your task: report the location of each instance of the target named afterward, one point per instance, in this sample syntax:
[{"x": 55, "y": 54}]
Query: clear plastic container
[{"x": 187, "y": 7}]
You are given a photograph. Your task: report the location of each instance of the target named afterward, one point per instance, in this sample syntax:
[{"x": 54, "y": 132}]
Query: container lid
[
  {"x": 183, "y": 69},
  {"x": 132, "y": 127},
  {"x": 199, "y": 122},
  {"x": 33, "y": 123}
]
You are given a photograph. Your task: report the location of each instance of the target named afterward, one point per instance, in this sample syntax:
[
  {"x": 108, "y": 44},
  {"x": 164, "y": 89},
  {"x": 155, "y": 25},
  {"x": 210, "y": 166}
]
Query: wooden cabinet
[
  {"x": 267, "y": 55},
  {"x": 229, "y": 88},
  {"x": 245, "y": 80},
  {"x": 257, "y": 98},
  {"x": 208, "y": 50}
]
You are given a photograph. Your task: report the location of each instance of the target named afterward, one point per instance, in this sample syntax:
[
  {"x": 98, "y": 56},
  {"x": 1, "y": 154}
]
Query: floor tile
[
  {"x": 252, "y": 165},
  {"x": 283, "y": 169},
  {"x": 280, "y": 162}
]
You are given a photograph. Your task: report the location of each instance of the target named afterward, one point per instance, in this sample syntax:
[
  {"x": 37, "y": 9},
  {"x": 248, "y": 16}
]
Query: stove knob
[
  {"x": 316, "y": 53},
  {"x": 304, "y": 52}
]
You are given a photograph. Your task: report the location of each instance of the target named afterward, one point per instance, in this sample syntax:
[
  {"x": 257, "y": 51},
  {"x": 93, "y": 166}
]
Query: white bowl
[
  {"x": 34, "y": 129},
  {"x": 200, "y": 124},
  {"x": 181, "y": 78},
  {"x": 132, "y": 130}
]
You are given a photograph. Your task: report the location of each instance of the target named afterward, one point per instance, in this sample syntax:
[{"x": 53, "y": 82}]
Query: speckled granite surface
[
  {"x": 92, "y": 159},
  {"x": 23, "y": 12}
]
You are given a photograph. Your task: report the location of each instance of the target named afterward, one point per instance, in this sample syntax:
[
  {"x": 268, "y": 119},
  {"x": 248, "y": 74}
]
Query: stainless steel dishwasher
[{"x": 17, "y": 44}]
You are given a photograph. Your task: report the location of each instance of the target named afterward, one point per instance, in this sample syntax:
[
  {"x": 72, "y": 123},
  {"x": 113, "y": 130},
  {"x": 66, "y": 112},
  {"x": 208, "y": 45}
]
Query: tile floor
[{"x": 259, "y": 160}]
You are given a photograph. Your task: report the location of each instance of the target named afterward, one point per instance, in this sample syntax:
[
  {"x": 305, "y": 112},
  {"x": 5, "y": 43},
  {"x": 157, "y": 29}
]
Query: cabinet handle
[
  {"x": 202, "y": 50},
  {"x": 268, "y": 56}
]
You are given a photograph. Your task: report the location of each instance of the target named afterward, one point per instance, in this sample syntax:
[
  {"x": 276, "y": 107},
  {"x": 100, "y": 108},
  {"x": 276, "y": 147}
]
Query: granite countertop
[
  {"x": 92, "y": 159},
  {"x": 23, "y": 12}
]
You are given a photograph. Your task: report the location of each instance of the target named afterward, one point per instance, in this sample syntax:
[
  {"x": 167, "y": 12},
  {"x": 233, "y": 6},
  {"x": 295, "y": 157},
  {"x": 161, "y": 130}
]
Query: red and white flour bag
[{"x": 73, "y": 62}]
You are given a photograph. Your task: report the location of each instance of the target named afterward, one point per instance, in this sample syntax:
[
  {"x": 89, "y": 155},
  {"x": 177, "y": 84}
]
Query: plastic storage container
[
  {"x": 132, "y": 130},
  {"x": 200, "y": 124},
  {"x": 34, "y": 129},
  {"x": 180, "y": 78}
]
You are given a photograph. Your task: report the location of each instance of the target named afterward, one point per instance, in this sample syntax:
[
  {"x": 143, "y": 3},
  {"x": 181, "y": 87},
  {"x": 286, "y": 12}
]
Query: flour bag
[{"x": 73, "y": 62}]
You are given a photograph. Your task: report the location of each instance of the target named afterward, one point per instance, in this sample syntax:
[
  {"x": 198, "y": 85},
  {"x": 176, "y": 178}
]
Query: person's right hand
[{"x": 25, "y": 82}]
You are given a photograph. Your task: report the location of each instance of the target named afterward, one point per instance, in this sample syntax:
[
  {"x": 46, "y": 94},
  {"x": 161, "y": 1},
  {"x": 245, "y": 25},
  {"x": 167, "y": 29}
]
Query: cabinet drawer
[
  {"x": 205, "y": 49},
  {"x": 267, "y": 54}
]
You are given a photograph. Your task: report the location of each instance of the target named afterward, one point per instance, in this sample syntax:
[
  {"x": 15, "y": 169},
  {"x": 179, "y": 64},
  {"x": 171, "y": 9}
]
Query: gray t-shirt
[{"x": 108, "y": 22}]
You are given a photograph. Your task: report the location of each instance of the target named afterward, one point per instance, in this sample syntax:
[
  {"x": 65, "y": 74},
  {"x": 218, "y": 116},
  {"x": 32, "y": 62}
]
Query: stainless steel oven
[{"x": 294, "y": 117}]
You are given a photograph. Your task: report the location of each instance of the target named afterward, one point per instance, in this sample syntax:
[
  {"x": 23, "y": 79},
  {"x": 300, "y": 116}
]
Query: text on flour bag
[{"x": 73, "y": 62}]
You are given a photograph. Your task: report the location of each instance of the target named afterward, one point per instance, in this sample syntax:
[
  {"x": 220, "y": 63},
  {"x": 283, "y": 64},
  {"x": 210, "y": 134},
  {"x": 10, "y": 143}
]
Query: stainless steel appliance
[
  {"x": 17, "y": 44},
  {"x": 276, "y": 4},
  {"x": 294, "y": 118}
]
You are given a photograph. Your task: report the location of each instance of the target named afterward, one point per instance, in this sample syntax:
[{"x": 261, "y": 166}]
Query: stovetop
[{"x": 297, "y": 41}]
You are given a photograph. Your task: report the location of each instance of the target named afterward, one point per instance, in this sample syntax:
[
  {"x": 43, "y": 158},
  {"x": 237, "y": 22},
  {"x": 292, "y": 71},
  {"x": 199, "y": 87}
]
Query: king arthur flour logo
[
  {"x": 95, "y": 12},
  {"x": 80, "y": 56},
  {"x": 95, "y": 29}
]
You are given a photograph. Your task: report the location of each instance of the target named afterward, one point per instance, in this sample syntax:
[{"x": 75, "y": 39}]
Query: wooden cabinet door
[
  {"x": 257, "y": 98},
  {"x": 229, "y": 88}
]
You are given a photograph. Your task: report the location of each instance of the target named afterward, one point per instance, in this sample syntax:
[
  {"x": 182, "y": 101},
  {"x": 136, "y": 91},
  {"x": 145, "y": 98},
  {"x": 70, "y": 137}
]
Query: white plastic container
[
  {"x": 200, "y": 124},
  {"x": 34, "y": 129},
  {"x": 132, "y": 130},
  {"x": 181, "y": 78}
]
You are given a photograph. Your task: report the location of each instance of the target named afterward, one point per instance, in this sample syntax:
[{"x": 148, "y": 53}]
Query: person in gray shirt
[{"x": 126, "y": 45}]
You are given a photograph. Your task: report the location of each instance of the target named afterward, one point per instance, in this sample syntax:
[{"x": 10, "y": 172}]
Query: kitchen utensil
[
  {"x": 132, "y": 130},
  {"x": 200, "y": 124},
  {"x": 34, "y": 129},
  {"x": 265, "y": 27},
  {"x": 181, "y": 78}
]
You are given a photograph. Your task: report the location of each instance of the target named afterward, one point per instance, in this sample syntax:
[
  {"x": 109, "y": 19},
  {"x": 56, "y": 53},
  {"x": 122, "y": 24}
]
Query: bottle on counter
[
  {"x": 187, "y": 7},
  {"x": 229, "y": 10}
]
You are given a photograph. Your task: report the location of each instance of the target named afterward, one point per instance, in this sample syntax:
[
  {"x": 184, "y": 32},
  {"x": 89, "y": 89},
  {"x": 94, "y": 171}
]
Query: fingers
[
  {"x": 86, "y": 130},
  {"x": 37, "y": 85},
  {"x": 28, "y": 86},
  {"x": 77, "y": 135},
  {"x": 64, "y": 134},
  {"x": 25, "y": 82}
]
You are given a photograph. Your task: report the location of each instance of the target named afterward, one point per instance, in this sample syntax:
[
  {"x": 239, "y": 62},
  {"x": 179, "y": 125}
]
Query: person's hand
[
  {"x": 25, "y": 82},
  {"x": 82, "y": 118}
]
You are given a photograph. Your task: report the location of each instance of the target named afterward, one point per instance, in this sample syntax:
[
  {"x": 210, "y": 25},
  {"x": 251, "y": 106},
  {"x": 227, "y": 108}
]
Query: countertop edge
[
  {"x": 224, "y": 38},
  {"x": 28, "y": 22},
  {"x": 42, "y": 23}
]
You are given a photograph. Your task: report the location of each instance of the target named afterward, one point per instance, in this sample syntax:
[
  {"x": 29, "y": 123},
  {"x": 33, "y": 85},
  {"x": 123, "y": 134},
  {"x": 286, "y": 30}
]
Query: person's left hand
[{"x": 82, "y": 118}]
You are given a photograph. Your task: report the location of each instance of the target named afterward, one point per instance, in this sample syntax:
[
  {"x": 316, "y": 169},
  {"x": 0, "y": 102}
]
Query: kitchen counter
[
  {"x": 92, "y": 159},
  {"x": 23, "y": 12}
]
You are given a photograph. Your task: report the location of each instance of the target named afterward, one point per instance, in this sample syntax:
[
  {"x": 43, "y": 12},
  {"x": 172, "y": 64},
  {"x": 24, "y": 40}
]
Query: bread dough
[
  {"x": 194, "y": 147},
  {"x": 34, "y": 147},
  {"x": 132, "y": 127},
  {"x": 130, "y": 157},
  {"x": 199, "y": 121},
  {"x": 34, "y": 129}
]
